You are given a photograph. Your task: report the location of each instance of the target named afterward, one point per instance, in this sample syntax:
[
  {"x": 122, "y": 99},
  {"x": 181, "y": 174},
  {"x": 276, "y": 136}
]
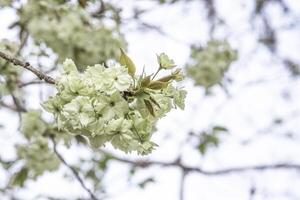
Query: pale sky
[{"x": 248, "y": 113}]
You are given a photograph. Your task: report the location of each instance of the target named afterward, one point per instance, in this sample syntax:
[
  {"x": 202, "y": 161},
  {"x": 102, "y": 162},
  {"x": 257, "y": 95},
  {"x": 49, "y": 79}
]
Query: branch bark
[
  {"x": 73, "y": 170},
  {"x": 188, "y": 169},
  {"x": 27, "y": 66}
]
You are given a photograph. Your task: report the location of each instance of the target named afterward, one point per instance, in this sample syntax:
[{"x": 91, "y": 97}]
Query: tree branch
[
  {"x": 181, "y": 187},
  {"x": 282, "y": 166},
  {"x": 226, "y": 171},
  {"x": 75, "y": 173},
  {"x": 10, "y": 107},
  {"x": 34, "y": 82},
  {"x": 27, "y": 66}
]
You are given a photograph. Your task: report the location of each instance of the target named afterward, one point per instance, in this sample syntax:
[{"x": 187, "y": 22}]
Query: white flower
[
  {"x": 102, "y": 105},
  {"x": 120, "y": 77}
]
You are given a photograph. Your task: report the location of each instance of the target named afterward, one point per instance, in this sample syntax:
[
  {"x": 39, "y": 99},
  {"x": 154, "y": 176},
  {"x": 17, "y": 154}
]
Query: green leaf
[
  {"x": 127, "y": 62},
  {"x": 149, "y": 107},
  {"x": 145, "y": 182},
  {"x": 220, "y": 129},
  {"x": 103, "y": 163},
  {"x": 6, "y": 164},
  {"x": 82, "y": 3},
  {"x": 157, "y": 85},
  {"x": 145, "y": 81},
  {"x": 80, "y": 139},
  {"x": 202, "y": 148},
  {"x": 206, "y": 141},
  {"x": 154, "y": 101},
  {"x": 166, "y": 78},
  {"x": 20, "y": 177},
  {"x": 175, "y": 75}
]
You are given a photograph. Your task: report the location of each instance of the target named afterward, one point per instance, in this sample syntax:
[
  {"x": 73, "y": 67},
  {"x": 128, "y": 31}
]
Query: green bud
[{"x": 127, "y": 62}]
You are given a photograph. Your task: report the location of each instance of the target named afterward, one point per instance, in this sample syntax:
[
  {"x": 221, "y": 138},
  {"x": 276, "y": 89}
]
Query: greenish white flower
[
  {"x": 178, "y": 95},
  {"x": 165, "y": 62},
  {"x": 65, "y": 28},
  {"x": 38, "y": 157},
  {"x": 79, "y": 111},
  {"x": 121, "y": 79},
  {"x": 146, "y": 147},
  {"x": 107, "y": 104},
  {"x": 32, "y": 125},
  {"x": 209, "y": 64},
  {"x": 165, "y": 104},
  {"x": 69, "y": 67}
]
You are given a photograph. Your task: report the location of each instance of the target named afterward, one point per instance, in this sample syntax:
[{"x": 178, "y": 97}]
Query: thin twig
[
  {"x": 226, "y": 171},
  {"x": 182, "y": 183},
  {"x": 27, "y": 66},
  {"x": 19, "y": 106},
  {"x": 17, "y": 101},
  {"x": 34, "y": 82},
  {"x": 75, "y": 173},
  {"x": 10, "y": 107}
]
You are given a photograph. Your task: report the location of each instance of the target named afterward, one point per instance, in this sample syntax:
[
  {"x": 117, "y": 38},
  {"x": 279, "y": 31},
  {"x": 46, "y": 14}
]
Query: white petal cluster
[
  {"x": 36, "y": 153},
  {"x": 208, "y": 64},
  {"x": 68, "y": 30},
  {"x": 107, "y": 104},
  {"x": 38, "y": 157}
]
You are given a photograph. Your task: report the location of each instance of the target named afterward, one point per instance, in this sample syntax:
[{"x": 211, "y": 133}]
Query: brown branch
[
  {"x": 182, "y": 185},
  {"x": 226, "y": 171},
  {"x": 73, "y": 170},
  {"x": 27, "y": 66},
  {"x": 7, "y": 106},
  {"x": 34, "y": 82},
  {"x": 19, "y": 107},
  {"x": 282, "y": 166}
]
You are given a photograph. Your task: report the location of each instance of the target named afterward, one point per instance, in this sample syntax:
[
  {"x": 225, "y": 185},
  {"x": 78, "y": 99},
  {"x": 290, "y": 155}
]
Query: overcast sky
[{"x": 249, "y": 112}]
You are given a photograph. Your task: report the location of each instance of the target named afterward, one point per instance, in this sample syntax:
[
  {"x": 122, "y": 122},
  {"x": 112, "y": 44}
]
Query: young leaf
[
  {"x": 157, "y": 85},
  {"x": 127, "y": 62},
  {"x": 153, "y": 101},
  {"x": 82, "y": 3},
  {"x": 149, "y": 107},
  {"x": 220, "y": 129},
  {"x": 20, "y": 177},
  {"x": 145, "y": 81},
  {"x": 145, "y": 182},
  {"x": 166, "y": 78}
]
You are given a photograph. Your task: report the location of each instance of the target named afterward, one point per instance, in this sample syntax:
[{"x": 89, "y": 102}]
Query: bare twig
[
  {"x": 34, "y": 82},
  {"x": 226, "y": 171},
  {"x": 75, "y": 173},
  {"x": 27, "y": 66},
  {"x": 20, "y": 108},
  {"x": 10, "y": 107},
  {"x": 182, "y": 181}
]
